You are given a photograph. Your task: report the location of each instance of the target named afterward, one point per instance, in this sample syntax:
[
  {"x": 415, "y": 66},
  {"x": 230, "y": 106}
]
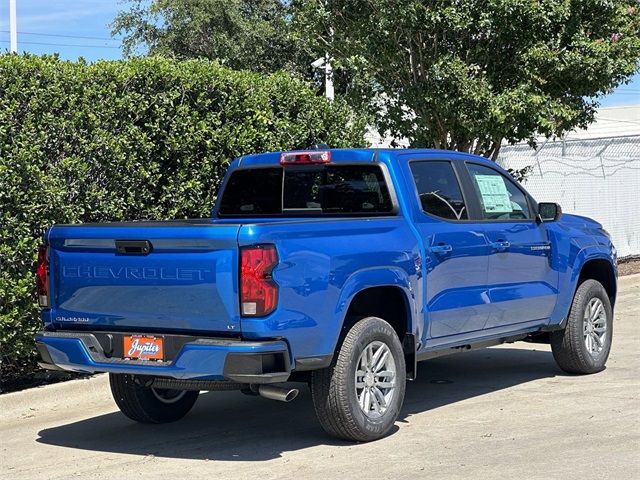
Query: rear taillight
[
  {"x": 42, "y": 277},
  {"x": 258, "y": 291}
]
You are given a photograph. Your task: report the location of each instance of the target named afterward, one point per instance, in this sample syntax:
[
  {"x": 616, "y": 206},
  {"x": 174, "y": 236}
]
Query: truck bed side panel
[{"x": 319, "y": 262}]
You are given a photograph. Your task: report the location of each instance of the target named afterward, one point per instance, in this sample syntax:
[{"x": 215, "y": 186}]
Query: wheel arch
[
  {"x": 385, "y": 293},
  {"x": 602, "y": 270},
  {"x": 360, "y": 287},
  {"x": 388, "y": 302}
]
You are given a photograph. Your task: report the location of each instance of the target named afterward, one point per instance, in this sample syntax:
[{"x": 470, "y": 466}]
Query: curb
[{"x": 92, "y": 389}]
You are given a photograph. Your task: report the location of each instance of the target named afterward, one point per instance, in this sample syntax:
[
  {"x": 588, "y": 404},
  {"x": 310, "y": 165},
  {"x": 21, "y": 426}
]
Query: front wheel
[
  {"x": 149, "y": 404},
  {"x": 584, "y": 345},
  {"x": 360, "y": 395}
]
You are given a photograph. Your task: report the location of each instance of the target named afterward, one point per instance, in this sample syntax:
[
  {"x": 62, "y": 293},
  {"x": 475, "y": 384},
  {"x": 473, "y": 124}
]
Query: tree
[
  {"x": 466, "y": 75},
  {"x": 241, "y": 34}
]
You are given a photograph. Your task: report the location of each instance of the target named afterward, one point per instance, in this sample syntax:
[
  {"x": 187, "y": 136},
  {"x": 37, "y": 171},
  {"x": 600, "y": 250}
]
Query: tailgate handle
[{"x": 133, "y": 247}]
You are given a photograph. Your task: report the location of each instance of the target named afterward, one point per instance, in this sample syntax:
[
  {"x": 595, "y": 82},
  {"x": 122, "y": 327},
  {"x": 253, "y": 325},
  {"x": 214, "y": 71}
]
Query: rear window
[{"x": 304, "y": 190}]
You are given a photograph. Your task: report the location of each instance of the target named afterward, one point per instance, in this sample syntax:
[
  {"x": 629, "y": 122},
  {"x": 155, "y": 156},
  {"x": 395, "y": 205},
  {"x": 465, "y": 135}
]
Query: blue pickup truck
[{"x": 340, "y": 268}]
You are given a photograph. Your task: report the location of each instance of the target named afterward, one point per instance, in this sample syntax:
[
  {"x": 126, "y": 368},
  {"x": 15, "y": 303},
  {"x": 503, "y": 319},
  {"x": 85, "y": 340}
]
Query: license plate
[{"x": 143, "y": 347}]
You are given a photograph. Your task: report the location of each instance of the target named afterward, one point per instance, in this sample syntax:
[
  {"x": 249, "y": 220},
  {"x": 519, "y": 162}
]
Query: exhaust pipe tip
[
  {"x": 292, "y": 394},
  {"x": 277, "y": 393}
]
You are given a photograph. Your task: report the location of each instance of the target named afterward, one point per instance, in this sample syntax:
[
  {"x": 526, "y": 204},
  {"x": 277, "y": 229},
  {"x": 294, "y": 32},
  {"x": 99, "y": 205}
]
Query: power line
[
  {"x": 63, "y": 44},
  {"x": 64, "y": 36}
]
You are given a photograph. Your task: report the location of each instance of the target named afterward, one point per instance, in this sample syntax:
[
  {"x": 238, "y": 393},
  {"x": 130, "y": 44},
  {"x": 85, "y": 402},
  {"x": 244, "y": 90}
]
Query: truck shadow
[{"x": 232, "y": 426}]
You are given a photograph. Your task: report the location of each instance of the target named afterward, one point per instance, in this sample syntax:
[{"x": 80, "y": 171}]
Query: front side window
[
  {"x": 307, "y": 190},
  {"x": 439, "y": 191},
  {"x": 500, "y": 198}
]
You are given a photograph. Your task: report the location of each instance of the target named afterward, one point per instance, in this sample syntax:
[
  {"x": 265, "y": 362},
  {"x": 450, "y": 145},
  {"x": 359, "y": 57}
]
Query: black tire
[
  {"x": 333, "y": 389},
  {"x": 148, "y": 405},
  {"x": 568, "y": 346}
]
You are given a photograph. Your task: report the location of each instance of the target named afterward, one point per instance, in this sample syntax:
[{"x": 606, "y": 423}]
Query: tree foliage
[
  {"x": 468, "y": 75},
  {"x": 127, "y": 140},
  {"x": 241, "y": 34}
]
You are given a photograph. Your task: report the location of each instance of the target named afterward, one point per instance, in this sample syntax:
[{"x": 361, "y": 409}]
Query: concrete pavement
[{"x": 506, "y": 412}]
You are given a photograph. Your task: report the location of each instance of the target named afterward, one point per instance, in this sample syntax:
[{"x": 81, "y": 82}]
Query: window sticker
[{"x": 494, "y": 194}]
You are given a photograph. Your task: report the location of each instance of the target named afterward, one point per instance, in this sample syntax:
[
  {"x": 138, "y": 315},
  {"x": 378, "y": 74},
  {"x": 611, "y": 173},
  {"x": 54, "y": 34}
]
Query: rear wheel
[
  {"x": 149, "y": 404},
  {"x": 584, "y": 345},
  {"x": 360, "y": 395}
]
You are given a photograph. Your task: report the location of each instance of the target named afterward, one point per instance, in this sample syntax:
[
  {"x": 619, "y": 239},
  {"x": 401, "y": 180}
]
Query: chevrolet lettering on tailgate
[{"x": 136, "y": 273}]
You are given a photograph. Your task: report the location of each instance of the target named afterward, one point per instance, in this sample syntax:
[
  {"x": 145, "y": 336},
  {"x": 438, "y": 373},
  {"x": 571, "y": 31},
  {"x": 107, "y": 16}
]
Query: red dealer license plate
[{"x": 143, "y": 347}]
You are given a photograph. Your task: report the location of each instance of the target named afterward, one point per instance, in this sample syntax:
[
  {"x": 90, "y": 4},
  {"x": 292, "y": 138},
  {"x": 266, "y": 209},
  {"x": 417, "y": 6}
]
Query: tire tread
[
  {"x": 568, "y": 345},
  {"x": 330, "y": 401},
  {"x": 137, "y": 402}
]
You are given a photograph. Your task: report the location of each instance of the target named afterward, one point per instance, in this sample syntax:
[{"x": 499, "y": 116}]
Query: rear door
[
  {"x": 456, "y": 253},
  {"x": 522, "y": 284},
  {"x": 186, "y": 281}
]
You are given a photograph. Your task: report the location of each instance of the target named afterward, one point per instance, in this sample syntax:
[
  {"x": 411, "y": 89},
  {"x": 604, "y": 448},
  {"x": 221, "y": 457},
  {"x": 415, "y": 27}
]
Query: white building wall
[{"x": 594, "y": 177}]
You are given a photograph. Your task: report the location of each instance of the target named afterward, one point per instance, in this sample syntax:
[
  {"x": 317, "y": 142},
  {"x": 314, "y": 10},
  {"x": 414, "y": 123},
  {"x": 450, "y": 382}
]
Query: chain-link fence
[{"x": 598, "y": 178}]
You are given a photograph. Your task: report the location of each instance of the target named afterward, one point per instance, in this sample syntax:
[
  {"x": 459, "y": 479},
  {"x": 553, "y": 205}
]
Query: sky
[{"x": 50, "y": 26}]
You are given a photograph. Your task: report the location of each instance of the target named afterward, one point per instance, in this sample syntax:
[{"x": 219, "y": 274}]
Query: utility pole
[
  {"x": 13, "y": 26},
  {"x": 328, "y": 78},
  {"x": 328, "y": 71},
  {"x": 325, "y": 64}
]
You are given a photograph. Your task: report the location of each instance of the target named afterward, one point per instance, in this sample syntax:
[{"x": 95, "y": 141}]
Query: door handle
[
  {"x": 500, "y": 245},
  {"x": 441, "y": 249}
]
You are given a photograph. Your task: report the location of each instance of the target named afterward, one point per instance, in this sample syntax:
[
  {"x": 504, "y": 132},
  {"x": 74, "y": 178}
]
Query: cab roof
[{"x": 386, "y": 155}]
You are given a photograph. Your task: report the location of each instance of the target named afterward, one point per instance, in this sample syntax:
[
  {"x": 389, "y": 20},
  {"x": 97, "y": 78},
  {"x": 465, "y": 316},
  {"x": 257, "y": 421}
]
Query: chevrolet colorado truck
[{"x": 340, "y": 268}]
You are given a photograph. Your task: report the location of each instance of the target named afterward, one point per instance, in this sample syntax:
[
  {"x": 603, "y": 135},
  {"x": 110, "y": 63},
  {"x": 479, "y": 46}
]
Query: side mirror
[{"x": 549, "y": 212}]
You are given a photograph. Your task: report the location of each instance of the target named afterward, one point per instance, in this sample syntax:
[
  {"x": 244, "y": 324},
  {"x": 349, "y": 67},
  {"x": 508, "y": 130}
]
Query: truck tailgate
[{"x": 186, "y": 281}]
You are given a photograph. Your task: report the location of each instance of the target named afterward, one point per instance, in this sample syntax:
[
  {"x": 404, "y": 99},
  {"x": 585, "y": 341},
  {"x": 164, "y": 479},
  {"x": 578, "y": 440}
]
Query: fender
[
  {"x": 382, "y": 276},
  {"x": 569, "y": 281}
]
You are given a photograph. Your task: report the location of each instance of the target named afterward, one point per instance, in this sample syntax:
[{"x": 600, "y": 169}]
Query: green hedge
[{"x": 123, "y": 140}]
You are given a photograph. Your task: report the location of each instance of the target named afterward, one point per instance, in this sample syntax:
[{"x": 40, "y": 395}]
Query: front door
[{"x": 522, "y": 285}]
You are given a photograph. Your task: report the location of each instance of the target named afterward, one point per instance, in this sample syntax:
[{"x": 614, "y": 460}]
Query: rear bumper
[{"x": 200, "y": 359}]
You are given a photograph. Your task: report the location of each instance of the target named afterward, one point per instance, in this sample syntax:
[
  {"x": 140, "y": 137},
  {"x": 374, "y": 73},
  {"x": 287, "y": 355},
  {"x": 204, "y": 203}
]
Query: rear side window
[
  {"x": 439, "y": 191},
  {"x": 307, "y": 190},
  {"x": 500, "y": 198}
]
